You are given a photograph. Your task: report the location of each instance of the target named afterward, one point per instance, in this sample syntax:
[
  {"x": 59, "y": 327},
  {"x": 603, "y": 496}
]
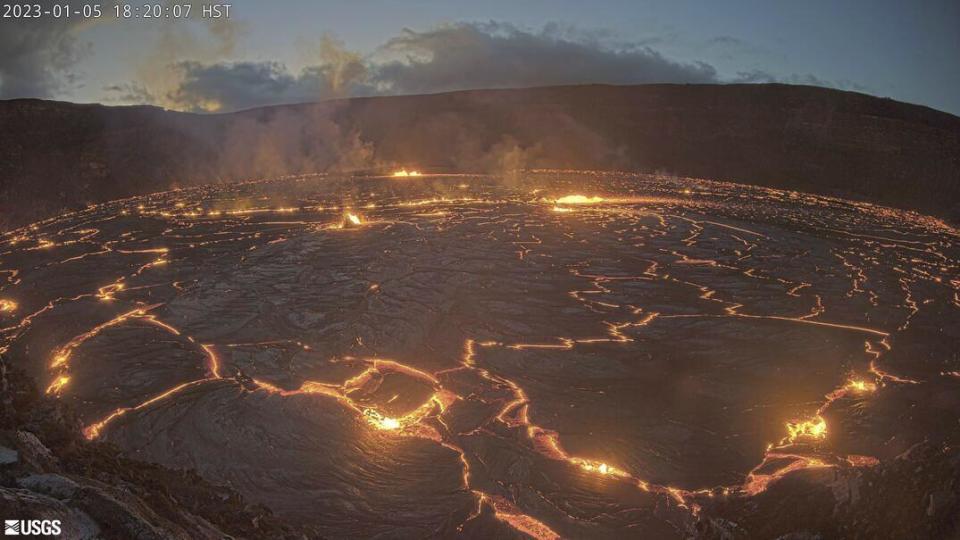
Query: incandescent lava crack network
[{"x": 565, "y": 354}]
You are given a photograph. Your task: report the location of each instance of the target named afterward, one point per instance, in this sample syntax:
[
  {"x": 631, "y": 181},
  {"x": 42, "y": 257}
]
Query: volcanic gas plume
[{"x": 576, "y": 355}]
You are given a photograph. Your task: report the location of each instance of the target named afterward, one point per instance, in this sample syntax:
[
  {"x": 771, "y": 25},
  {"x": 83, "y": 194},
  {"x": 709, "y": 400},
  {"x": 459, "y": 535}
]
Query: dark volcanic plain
[{"x": 465, "y": 355}]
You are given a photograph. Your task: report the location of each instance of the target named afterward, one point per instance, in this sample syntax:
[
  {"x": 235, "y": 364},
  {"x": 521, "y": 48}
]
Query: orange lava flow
[
  {"x": 758, "y": 482},
  {"x": 515, "y": 413},
  {"x": 57, "y": 385},
  {"x": 512, "y": 406},
  {"x": 214, "y": 361},
  {"x": 415, "y": 424},
  {"x": 410, "y": 424},
  {"x": 508, "y": 513},
  {"x": 815, "y": 428},
  {"x": 883, "y": 375},
  {"x": 350, "y": 220},
  {"x": 62, "y": 356},
  {"x": 579, "y": 199},
  {"x": 93, "y": 430}
]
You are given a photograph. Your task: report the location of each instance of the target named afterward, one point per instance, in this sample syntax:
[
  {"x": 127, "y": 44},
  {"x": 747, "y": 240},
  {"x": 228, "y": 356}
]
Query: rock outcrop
[{"x": 48, "y": 471}]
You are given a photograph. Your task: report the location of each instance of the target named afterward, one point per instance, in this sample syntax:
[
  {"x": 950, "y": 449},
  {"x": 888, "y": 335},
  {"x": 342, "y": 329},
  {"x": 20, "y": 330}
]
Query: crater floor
[{"x": 568, "y": 353}]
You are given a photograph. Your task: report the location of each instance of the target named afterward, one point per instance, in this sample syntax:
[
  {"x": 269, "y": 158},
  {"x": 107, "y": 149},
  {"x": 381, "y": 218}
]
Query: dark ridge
[{"x": 56, "y": 155}]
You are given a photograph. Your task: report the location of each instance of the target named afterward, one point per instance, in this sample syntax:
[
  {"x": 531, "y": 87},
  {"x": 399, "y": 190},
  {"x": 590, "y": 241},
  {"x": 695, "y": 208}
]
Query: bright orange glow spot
[
  {"x": 350, "y": 220},
  {"x": 57, "y": 385},
  {"x": 60, "y": 359},
  {"x": 404, "y": 173},
  {"x": 758, "y": 482},
  {"x": 508, "y": 513},
  {"x": 597, "y": 467},
  {"x": 106, "y": 293},
  {"x": 860, "y": 386},
  {"x": 7, "y": 306},
  {"x": 579, "y": 199},
  {"x": 815, "y": 428},
  {"x": 380, "y": 421}
]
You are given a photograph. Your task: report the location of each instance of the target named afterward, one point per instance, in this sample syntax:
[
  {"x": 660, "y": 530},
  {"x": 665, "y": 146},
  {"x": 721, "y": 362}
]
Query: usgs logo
[{"x": 17, "y": 527}]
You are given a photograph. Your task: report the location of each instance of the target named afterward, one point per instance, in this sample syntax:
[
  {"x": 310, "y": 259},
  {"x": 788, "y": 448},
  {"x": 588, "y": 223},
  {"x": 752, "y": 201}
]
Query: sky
[{"x": 300, "y": 50}]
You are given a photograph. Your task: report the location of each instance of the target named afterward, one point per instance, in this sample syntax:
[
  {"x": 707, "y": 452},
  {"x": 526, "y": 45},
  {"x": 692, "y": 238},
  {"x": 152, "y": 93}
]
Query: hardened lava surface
[{"x": 563, "y": 354}]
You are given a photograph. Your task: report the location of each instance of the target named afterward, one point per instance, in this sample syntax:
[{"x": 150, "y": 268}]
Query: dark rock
[
  {"x": 25, "y": 504},
  {"x": 940, "y": 501},
  {"x": 34, "y": 454},
  {"x": 54, "y": 485},
  {"x": 8, "y": 456},
  {"x": 97, "y": 494}
]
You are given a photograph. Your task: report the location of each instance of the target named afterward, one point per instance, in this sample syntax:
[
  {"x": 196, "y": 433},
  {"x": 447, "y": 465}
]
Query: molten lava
[
  {"x": 598, "y": 467},
  {"x": 551, "y": 329},
  {"x": 57, "y": 385},
  {"x": 814, "y": 428},
  {"x": 579, "y": 199},
  {"x": 379, "y": 421},
  {"x": 860, "y": 386},
  {"x": 350, "y": 220}
]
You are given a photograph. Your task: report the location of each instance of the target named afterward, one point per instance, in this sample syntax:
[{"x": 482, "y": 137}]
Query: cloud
[
  {"x": 207, "y": 86},
  {"x": 38, "y": 55},
  {"x": 726, "y": 41},
  {"x": 498, "y": 55},
  {"x": 160, "y": 73},
  {"x": 451, "y": 57},
  {"x": 761, "y": 76},
  {"x": 241, "y": 85}
]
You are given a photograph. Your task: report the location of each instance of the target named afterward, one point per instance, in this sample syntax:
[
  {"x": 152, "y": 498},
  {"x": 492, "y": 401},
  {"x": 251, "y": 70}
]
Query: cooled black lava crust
[{"x": 480, "y": 356}]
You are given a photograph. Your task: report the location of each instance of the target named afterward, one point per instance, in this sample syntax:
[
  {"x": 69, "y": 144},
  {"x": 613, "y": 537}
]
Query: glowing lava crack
[{"x": 463, "y": 356}]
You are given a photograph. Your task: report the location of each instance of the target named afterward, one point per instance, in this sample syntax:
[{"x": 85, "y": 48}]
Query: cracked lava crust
[{"x": 559, "y": 354}]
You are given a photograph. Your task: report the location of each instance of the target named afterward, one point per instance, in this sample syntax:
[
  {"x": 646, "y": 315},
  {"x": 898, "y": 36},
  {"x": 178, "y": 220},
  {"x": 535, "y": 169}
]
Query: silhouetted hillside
[{"x": 57, "y": 155}]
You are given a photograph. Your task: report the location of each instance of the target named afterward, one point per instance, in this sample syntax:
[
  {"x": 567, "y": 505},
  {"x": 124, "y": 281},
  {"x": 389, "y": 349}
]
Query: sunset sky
[{"x": 281, "y": 52}]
